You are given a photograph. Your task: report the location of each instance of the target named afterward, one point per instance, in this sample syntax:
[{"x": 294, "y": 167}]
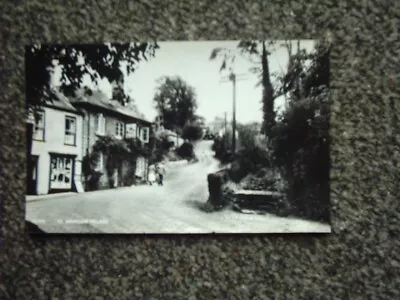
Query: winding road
[{"x": 175, "y": 207}]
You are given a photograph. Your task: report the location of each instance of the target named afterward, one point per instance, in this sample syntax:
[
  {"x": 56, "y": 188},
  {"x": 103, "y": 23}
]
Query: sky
[{"x": 191, "y": 61}]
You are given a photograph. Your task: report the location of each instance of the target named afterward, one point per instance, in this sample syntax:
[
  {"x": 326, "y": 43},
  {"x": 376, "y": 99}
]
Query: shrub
[
  {"x": 249, "y": 160},
  {"x": 218, "y": 147},
  {"x": 161, "y": 146},
  {"x": 247, "y": 134},
  {"x": 301, "y": 150},
  {"x": 186, "y": 151},
  {"x": 222, "y": 150},
  {"x": 192, "y": 132},
  {"x": 92, "y": 177}
]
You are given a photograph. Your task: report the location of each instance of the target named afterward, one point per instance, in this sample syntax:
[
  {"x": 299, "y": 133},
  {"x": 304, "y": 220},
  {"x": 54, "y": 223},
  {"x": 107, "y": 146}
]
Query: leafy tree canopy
[
  {"x": 294, "y": 79},
  {"x": 77, "y": 60},
  {"x": 175, "y": 101},
  {"x": 192, "y": 132},
  {"x": 200, "y": 120}
]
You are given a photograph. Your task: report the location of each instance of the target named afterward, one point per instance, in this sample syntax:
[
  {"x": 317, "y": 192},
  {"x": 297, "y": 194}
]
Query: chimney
[{"x": 118, "y": 89}]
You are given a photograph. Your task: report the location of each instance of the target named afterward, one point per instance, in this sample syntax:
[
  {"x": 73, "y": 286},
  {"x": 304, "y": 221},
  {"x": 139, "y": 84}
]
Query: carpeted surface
[{"x": 360, "y": 260}]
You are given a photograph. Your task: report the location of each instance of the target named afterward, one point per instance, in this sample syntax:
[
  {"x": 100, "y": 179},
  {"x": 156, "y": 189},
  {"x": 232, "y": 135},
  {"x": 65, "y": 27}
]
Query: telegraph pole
[
  {"x": 232, "y": 77},
  {"x": 225, "y": 125}
]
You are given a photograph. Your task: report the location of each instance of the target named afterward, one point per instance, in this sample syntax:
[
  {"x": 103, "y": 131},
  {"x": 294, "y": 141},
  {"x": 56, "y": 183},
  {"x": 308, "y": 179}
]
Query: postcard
[{"x": 178, "y": 137}]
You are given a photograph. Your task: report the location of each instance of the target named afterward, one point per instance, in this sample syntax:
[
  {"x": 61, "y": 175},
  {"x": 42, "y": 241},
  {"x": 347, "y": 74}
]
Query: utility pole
[
  {"x": 233, "y": 77},
  {"x": 225, "y": 125}
]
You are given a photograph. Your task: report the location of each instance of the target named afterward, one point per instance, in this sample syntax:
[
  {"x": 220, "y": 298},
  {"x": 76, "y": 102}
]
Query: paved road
[{"x": 172, "y": 208}]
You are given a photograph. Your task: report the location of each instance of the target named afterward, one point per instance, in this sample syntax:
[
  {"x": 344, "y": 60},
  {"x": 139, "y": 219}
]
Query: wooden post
[
  {"x": 225, "y": 127},
  {"x": 233, "y": 79}
]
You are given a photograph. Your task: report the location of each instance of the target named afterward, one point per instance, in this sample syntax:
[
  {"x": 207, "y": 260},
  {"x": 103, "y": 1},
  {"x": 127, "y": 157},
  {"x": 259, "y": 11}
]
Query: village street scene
[{"x": 178, "y": 137}]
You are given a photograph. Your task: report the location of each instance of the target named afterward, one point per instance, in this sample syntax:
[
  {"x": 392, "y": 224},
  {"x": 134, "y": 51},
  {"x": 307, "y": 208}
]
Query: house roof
[
  {"x": 99, "y": 99},
  {"x": 61, "y": 102}
]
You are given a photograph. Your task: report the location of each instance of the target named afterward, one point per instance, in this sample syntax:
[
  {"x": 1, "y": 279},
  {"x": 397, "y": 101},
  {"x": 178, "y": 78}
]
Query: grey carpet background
[{"x": 360, "y": 260}]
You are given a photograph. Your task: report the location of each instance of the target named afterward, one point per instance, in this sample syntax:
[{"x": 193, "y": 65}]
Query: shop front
[{"x": 62, "y": 169}]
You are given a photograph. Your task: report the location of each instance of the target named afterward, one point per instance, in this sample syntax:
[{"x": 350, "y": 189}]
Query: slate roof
[
  {"x": 99, "y": 99},
  {"x": 61, "y": 102}
]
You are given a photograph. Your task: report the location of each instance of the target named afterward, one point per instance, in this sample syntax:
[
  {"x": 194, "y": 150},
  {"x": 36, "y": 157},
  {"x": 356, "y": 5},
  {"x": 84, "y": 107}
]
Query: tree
[
  {"x": 200, "y": 120},
  {"x": 301, "y": 138},
  {"x": 175, "y": 102},
  {"x": 192, "y": 132},
  {"x": 259, "y": 49},
  {"x": 115, "y": 151},
  {"x": 269, "y": 93},
  {"x": 160, "y": 145},
  {"x": 77, "y": 60},
  {"x": 186, "y": 151}
]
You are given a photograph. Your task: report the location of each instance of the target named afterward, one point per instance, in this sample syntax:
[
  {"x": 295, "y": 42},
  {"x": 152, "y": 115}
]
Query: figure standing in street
[
  {"x": 152, "y": 175},
  {"x": 160, "y": 170}
]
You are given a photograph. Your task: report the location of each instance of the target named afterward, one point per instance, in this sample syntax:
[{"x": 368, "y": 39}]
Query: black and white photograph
[{"x": 178, "y": 137}]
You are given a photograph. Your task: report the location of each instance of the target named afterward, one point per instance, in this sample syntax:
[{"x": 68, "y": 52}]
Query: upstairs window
[
  {"x": 138, "y": 132},
  {"x": 145, "y": 134},
  {"x": 100, "y": 124},
  {"x": 131, "y": 131},
  {"x": 38, "y": 130},
  {"x": 70, "y": 131},
  {"x": 119, "y": 130}
]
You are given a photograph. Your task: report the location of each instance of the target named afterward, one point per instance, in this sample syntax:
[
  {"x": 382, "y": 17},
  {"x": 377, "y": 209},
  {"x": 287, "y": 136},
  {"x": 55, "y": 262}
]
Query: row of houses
[{"x": 64, "y": 131}]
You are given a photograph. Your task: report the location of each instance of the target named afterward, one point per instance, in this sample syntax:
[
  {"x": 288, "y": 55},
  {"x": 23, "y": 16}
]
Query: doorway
[{"x": 32, "y": 174}]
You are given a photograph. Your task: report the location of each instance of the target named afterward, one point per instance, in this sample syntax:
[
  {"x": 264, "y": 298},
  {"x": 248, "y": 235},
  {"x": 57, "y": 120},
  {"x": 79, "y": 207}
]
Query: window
[
  {"x": 145, "y": 134},
  {"x": 61, "y": 172},
  {"x": 119, "y": 130},
  {"x": 70, "y": 131},
  {"x": 131, "y": 131},
  {"x": 138, "y": 130},
  {"x": 100, "y": 124},
  {"x": 38, "y": 130}
]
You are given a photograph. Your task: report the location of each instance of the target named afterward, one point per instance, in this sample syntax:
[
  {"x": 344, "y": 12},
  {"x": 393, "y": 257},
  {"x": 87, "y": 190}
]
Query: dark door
[{"x": 32, "y": 175}]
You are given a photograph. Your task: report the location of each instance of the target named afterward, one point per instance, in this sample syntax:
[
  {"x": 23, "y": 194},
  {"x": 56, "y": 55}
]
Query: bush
[
  {"x": 161, "y": 146},
  {"x": 192, "y": 132},
  {"x": 250, "y": 160},
  {"x": 222, "y": 150},
  {"x": 265, "y": 179},
  {"x": 186, "y": 151},
  {"x": 301, "y": 150},
  {"x": 91, "y": 176},
  {"x": 92, "y": 183}
]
